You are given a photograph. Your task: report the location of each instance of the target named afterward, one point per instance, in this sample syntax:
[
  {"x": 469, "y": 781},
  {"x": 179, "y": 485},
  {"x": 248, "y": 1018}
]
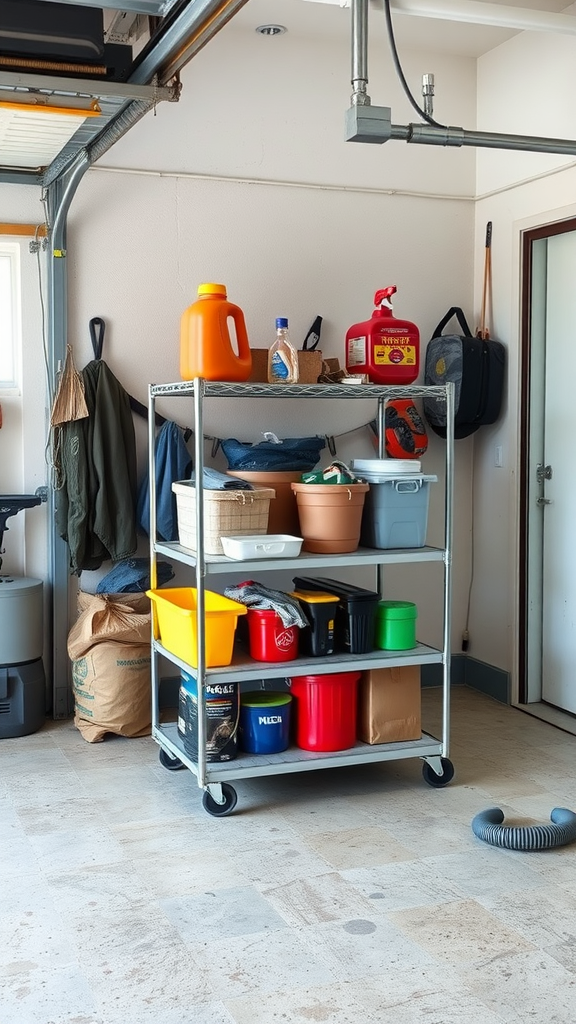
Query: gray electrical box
[{"x": 365, "y": 123}]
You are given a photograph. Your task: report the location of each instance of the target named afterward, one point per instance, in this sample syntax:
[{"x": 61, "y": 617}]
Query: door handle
[{"x": 543, "y": 501}]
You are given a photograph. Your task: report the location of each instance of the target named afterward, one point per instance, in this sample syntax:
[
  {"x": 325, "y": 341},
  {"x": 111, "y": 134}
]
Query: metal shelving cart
[{"x": 215, "y": 779}]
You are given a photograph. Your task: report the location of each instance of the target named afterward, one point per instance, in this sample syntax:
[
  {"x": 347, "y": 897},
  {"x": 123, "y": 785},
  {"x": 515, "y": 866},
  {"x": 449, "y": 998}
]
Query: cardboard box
[
  {"x": 309, "y": 366},
  {"x": 389, "y": 705}
]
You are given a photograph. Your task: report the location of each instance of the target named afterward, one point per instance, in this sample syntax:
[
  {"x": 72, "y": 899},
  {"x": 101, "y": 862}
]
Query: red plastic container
[
  {"x": 269, "y": 639},
  {"x": 385, "y": 348},
  {"x": 325, "y": 710}
]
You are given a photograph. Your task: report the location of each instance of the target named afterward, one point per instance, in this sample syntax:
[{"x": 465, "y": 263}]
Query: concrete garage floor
[{"x": 351, "y": 896}]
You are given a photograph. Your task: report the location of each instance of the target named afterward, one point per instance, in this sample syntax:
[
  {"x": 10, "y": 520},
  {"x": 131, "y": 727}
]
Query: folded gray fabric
[
  {"x": 254, "y": 595},
  {"x": 213, "y": 480}
]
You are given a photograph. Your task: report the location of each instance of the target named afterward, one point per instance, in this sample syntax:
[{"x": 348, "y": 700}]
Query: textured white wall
[
  {"x": 525, "y": 86},
  {"x": 296, "y": 252},
  {"x": 143, "y": 236},
  {"x": 274, "y": 108},
  {"x": 539, "y": 103}
]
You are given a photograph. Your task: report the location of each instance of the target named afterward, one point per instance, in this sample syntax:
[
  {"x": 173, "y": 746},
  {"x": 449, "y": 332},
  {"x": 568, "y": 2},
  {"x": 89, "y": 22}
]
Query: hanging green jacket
[{"x": 96, "y": 457}]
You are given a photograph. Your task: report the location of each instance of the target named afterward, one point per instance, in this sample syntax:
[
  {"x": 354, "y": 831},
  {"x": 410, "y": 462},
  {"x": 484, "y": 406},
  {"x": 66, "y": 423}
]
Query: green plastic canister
[{"x": 396, "y": 625}]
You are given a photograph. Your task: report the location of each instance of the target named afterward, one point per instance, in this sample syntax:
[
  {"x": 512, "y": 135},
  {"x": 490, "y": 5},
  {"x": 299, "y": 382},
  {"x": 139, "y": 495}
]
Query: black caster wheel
[
  {"x": 438, "y": 781},
  {"x": 221, "y": 810},
  {"x": 173, "y": 764}
]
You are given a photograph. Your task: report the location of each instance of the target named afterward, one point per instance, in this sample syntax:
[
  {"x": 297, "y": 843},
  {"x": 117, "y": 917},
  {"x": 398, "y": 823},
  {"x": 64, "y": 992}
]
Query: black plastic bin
[
  {"x": 320, "y": 609},
  {"x": 355, "y": 615}
]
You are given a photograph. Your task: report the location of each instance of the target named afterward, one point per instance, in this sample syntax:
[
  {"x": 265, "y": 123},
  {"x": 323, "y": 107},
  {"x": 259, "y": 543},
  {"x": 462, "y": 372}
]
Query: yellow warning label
[{"x": 395, "y": 355}]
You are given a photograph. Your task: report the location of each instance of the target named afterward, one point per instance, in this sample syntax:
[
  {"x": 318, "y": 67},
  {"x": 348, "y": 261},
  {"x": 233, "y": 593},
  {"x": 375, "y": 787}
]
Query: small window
[{"x": 9, "y": 316}]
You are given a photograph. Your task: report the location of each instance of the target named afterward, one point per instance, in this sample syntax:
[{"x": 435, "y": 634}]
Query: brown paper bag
[
  {"x": 109, "y": 646},
  {"x": 309, "y": 366},
  {"x": 389, "y": 705}
]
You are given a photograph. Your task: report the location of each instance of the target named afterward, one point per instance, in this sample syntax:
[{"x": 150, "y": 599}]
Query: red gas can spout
[{"x": 383, "y": 300}]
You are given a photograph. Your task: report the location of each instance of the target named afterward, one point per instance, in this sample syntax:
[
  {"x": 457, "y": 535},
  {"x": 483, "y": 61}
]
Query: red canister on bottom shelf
[
  {"x": 325, "y": 710},
  {"x": 269, "y": 638}
]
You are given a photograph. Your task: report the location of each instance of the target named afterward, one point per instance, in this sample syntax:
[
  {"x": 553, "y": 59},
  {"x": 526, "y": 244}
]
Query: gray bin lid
[{"x": 10, "y": 585}]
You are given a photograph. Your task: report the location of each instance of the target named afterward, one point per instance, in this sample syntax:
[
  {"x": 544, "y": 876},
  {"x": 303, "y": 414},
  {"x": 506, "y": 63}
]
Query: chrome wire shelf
[{"x": 212, "y": 389}]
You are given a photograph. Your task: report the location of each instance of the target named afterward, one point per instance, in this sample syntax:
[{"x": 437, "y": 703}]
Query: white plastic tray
[
  {"x": 392, "y": 466},
  {"x": 269, "y": 545}
]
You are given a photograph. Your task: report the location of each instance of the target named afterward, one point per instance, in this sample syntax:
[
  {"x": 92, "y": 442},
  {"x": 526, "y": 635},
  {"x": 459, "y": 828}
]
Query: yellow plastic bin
[{"x": 175, "y": 608}]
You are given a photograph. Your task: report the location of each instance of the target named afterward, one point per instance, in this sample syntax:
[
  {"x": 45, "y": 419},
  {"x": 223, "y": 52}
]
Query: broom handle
[{"x": 483, "y": 332}]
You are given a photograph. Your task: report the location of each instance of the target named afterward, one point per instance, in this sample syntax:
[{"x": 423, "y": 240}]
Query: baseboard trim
[
  {"x": 432, "y": 675},
  {"x": 466, "y": 671},
  {"x": 495, "y": 682}
]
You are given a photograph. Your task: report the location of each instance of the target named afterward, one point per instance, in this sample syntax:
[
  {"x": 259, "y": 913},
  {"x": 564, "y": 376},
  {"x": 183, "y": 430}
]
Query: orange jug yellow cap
[{"x": 212, "y": 289}]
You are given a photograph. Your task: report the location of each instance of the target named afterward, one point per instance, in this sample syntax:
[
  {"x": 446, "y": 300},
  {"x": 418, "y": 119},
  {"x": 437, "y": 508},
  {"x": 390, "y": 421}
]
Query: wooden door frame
[{"x": 528, "y": 238}]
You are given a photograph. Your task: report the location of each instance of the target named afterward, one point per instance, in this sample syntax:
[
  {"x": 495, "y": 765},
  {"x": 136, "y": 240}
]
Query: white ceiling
[
  {"x": 326, "y": 18},
  {"x": 121, "y": 104}
]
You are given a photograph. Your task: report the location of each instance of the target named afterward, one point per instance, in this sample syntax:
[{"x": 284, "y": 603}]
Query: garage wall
[
  {"x": 247, "y": 180},
  {"x": 273, "y": 108},
  {"x": 516, "y": 191}
]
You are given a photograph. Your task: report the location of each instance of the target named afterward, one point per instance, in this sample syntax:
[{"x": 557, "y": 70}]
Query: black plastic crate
[{"x": 356, "y": 613}]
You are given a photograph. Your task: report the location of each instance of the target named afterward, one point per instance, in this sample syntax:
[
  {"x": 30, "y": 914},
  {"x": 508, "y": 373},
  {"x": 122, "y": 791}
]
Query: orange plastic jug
[{"x": 206, "y": 348}]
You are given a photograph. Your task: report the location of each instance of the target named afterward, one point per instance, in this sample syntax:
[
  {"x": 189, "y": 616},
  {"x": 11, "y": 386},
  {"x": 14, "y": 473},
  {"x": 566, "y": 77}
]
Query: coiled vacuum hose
[{"x": 488, "y": 826}]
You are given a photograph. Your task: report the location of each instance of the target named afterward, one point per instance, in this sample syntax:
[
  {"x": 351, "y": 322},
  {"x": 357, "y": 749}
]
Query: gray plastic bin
[
  {"x": 396, "y": 511},
  {"x": 22, "y": 699}
]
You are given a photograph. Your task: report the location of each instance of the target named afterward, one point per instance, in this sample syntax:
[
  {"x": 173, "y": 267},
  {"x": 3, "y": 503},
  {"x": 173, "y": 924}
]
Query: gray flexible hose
[{"x": 488, "y": 826}]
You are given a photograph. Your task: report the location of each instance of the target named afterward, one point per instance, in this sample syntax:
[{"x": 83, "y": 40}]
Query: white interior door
[{"x": 557, "y": 494}]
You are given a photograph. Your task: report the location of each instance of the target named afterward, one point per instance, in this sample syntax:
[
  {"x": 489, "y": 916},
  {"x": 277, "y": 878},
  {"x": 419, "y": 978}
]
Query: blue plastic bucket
[{"x": 264, "y": 722}]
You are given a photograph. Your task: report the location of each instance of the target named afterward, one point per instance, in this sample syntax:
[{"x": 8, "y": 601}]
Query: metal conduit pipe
[
  {"x": 366, "y": 122},
  {"x": 59, "y": 195},
  {"x": 426, "y": 134},
  {"x": 360, "y": 53}
]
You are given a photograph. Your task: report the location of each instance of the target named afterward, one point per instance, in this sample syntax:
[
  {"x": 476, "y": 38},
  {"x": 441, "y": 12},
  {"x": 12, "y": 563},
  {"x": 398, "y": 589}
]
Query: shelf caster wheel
[
  {"x": 432, "y": 777},
  {"x": 220, "y": 810},
  {"x": 173, "y": 764}
]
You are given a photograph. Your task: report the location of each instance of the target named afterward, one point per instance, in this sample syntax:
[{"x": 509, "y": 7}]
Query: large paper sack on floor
[{"x": 109, "y": 647}]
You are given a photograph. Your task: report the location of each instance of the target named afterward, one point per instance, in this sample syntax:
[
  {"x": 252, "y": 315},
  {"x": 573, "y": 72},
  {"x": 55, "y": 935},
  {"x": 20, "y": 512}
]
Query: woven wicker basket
[{"x": 226, "y": 514}]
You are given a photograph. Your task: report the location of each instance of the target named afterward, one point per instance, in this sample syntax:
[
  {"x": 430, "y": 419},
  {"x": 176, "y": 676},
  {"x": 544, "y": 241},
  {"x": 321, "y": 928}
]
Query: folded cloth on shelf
[
  {"x": 336, "y": 473},
  {"x": 292, "y": 454},
  {"x": 254, "y": 595},
  {"x": 213, "y": 480},
  {"x": 132, "y": 576}
]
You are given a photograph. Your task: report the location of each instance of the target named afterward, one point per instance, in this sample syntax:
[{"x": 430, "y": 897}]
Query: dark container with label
[
  {"x": 356, "y": 615},
  {"x": 222, "y": 716},
  {"x": 320, "y": 610}
]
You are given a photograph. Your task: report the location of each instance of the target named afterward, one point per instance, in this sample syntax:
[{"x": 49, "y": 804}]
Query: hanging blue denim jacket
[{"x": 173, "y": 462}]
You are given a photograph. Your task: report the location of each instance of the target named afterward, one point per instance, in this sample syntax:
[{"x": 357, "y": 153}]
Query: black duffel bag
[{"x": 475, "y": 366}]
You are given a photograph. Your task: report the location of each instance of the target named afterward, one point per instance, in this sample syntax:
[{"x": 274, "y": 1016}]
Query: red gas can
[{"x": 385, "y": 348}]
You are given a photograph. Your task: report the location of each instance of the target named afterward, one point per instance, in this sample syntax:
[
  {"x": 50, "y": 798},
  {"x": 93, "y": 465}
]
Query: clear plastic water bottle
[{"x": 282, "y": 356}]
